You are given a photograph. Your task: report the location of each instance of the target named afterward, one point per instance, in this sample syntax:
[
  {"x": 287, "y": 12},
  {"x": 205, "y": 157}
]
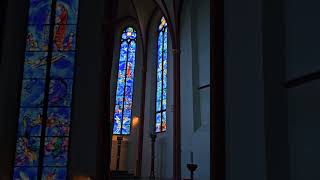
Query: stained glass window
[
  {"x": 45, "y": 103},
  {"x": 124, "y": 93},
  {"x": 162, "y": 71}
]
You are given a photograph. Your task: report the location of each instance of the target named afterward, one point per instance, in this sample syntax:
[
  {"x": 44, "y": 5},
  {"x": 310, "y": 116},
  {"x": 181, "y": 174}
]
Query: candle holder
[
  {"x": 192, "y": 168},
  {"x": 153, "y": 137},
  {"x": 119, "y": 139}
]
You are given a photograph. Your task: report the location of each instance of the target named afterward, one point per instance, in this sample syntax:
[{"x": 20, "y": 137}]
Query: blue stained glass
[
  {"x": 165, "y": 64},
  {"x": 67, "y": 11},
  {"x": 37, "y": 38},
  {"x": 160, "y": 47},
  {"x": 165, "y": 72},
  {"x": 123, "y": 51},
  {"x": 162, "y": 65},
  {"x": 123, "y": 103},
  {"x": 25, "y": 173},
  {"x": 126, "y": 124},
  {"x": 132, "y": 52},
  {"x": 164, "y": 104},
  {"x": 64, "y": 37},
  {"x": 129, "y": 91},
  {"x": 129, "y": 33},
  {"x": 165, "y": 81},
  {"x": 164, "y": 121},
  {"x": 127, "y": 105},
  {"x": 58, "y": 122},
  {"x": 165, "y": 46},
  {"x": 32, "y": 92},
  {"x": 158, "y": 106},
  {"x": 129, "y": 82},
  {"x": 54, "y": 173},
  {"x": 39, "y": 11},
  {"x": 35, "y": 65},
  {"x": 163, "y": 23},
  {"x": 159, "y": 76},
  {"x": 119, "y": 100},
  {"x": 130, "y": 70},
  {"x": 158, "y": 122},
  {"x": 55, "y": 152},
  {"x": 29, "y": 133},
  {"x": 159, "y": 94},
  {"x": 30, "y": 120},
  {"x": 164, "y": 94},
  {"x": 159, "y": 86},
  {"x": 27, "y": 151},
  {"x": 62, "y": 65},
  {"x": 60, "y": 92},
  {"x": 122, "y": 67},
  {"x": 117, "y": 124}
]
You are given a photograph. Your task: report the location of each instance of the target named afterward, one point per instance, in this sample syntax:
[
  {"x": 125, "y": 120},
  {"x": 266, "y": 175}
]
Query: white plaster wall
[{"x": 195, "y": 72}]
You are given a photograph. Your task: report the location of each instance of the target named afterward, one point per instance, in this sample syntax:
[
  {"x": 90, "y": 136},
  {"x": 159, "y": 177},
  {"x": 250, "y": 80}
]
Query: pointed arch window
[
  {"x": 162, "y": 71},
  {"x": 46, "y": 92},
  {"x": 125, "y": 83}
]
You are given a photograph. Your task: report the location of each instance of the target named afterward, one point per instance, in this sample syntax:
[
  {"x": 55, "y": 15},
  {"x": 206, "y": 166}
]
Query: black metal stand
[
  {"x": 153, "y": 137},
  {"x": 192, "y": 168},
  {"x": 119, "y": 138}
]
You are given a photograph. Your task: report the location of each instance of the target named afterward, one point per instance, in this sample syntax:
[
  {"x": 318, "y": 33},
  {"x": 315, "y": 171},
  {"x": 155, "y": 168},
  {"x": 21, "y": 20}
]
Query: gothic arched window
[
  {"x": 125, "y": 82},
  {"x": 45, "y": 103},
  {"x": 162, "y": 71}
]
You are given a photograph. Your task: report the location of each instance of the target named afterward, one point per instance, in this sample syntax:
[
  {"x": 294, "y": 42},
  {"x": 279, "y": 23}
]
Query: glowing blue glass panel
[
  {"x": 46, "y": 94},
  {"x": 67, "y": 11},
  {"x": 29, "y": 173},
  {"x": 32, "y": 92},
  {"x": 54, "y": 173},
  {"x": 62, "y": 65},
  {"x": 35, "y": 65},
  {"x": 40, "y": 12},
  {"x": 125, "y": 83},
  {"x": 58, "y": 122},
  {"x": 38, "y": 37},
  {"x": 162, "y": 71},
  {"x": 30, "y": 122}
]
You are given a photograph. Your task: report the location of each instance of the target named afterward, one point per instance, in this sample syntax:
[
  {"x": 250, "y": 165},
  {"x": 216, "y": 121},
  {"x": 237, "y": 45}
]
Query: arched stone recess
[
  {"x": 130, "y": 143},
  {"x": 164, "y": 141}
]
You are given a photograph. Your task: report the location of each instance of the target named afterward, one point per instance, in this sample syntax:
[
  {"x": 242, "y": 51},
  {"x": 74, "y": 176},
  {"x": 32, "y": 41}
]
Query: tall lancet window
[
  {"x": 124, "y": 93},
  {"x": 46, "y": 92},
  {"x": 162, "y": 71}
]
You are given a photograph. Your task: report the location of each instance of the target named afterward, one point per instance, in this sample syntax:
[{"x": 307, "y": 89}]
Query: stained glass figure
[
  {"x": 58, "y": 122},
  {"x": 35, "y": 65},
  {"x": 162, "y": 69},
  {"x": 27, "y": 151},
  {"x": 30, "y": 122},
  {"x": 32, "y": 92},
  {"x": 40, "y": 11},
  {"x": 38, "y": 37},
  {"x": 125, "y": 84},
  {"x": 54, "y": 173},
  {"x": 46, "y": 94},
  {"x": 56, "y": 149},
  {"x": 60, "y": 92},
  {"x": 62, "y": 65},
  {"x": 64, "y": 38},
  {"x": 29, "y": 173}
]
